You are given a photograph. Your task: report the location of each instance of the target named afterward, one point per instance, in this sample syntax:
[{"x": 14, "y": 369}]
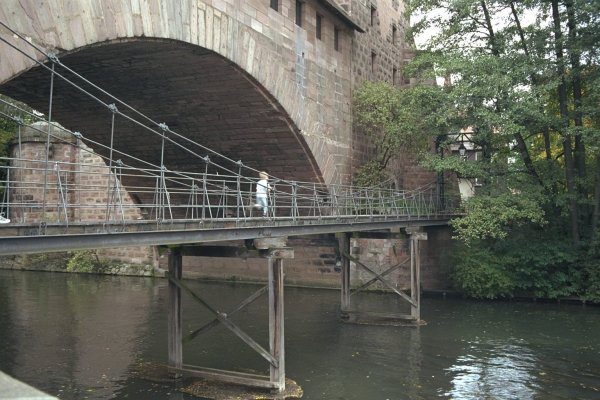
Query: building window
[
  {"x": 299, "y": 13},
  {"x": 373, "y": 13},
  {"x": 394, "y": 34},
  {"x": 336, "y": 38},
  {"x": 373, "y": 62},
  {"x": 319, "y": 23},
  {"x": 275, "y": 5}
]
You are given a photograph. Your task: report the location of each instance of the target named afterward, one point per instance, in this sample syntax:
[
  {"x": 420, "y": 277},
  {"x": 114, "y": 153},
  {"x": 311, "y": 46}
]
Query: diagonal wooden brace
[
  {"x": 384, "y": 273},
  {"x": 216, "y": 321},
  {"x": 222, "y": 317},
  {"x": 381, "y": 279}
]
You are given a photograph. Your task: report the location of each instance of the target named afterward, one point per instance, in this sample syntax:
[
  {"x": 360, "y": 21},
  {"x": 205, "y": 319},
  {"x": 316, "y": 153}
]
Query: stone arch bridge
[{"x": 266, "y": 82}]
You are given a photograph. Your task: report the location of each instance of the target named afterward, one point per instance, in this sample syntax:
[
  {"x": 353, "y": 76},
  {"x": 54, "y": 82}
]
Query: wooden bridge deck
[{"x": 29, "y": 238}]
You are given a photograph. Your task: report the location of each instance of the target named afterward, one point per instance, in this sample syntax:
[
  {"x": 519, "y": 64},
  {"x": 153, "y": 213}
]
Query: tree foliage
[
  {"x": 524, "y": 76},
  {"x": 395, "y": 121}
]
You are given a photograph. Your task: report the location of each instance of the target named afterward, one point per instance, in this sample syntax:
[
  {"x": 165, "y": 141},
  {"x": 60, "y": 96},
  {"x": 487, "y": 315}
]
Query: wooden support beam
[
  {"x": 416, "y": 235},
  {"x": 344, "y": 248},
  {"x": 276, "y": 326},
  {"x": 216, "y": 321},
  {"x": 415, "y": 276},
  {"x": 238, "y": 378},
  {"x": 219, "y": 251},
  {"x": 414, "y": 299},
  {"x": 276, "y": 354},
  {"x": 375, "y": 279},
  {"x": 378, "y": 235},
  {"x": 223, "y": 318},
  {"x": 235, "y": 252},
  {"x": 175, "y": 355},
  {"x": 382, "y": 280},
  {"x": 382, "y": 318}
]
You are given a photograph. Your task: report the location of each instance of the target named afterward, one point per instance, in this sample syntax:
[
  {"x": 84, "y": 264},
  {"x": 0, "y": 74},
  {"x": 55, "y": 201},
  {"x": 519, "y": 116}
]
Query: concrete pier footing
[{"x": 12, "y": 389}]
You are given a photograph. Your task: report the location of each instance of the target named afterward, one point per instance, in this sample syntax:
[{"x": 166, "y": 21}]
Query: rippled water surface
[{"x": 83, "y": 336}]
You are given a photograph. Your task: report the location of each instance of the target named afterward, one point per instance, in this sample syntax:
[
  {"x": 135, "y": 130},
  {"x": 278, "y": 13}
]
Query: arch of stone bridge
[
  {"x": 240, "y": 78},
  {"x": 194, "y": 91}
]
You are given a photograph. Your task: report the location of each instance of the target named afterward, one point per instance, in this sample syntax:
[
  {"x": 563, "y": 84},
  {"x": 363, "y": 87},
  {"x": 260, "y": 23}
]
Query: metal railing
[{"x": 92, "y": 193}]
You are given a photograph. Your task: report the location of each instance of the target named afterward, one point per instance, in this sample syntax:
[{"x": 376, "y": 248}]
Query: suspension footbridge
[
  {"x": 67, "y": 190},
  {"x": 56, "y": 202}
]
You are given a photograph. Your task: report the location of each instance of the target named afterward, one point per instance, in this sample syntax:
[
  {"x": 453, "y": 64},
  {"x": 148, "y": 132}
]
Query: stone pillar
[
  {"x": 38, "y": 177},
  {"x": 68, "y": 183}
]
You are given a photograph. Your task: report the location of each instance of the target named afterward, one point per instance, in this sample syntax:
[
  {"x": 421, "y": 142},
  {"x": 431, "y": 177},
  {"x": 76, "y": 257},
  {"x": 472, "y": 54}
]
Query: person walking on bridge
[{"x": 262, "y": 192}]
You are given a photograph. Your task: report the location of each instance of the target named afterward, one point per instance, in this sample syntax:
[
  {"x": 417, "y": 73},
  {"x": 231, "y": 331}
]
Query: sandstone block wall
[
  {"x": 77, "y": 184},
  {"x": 315, "y": 263},
  {"x": 306, "y": 81}
]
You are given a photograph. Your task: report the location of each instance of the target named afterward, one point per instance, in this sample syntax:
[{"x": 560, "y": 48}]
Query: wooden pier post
[
  {"x": 355, "y": 315},
  {"x": 344, "y": 246},
  {"x": 274, "y": 250},
  {"x": 276, "y": 326},
  {"x": 416, "y": 235},
  {"x": 174, "y": 314}
]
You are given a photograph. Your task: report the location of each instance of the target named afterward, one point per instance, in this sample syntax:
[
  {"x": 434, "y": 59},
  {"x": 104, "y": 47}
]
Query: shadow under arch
[{"x": 196, "y": 92}]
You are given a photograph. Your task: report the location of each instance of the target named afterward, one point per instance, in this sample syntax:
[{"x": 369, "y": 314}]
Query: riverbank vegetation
[{"x": 519, "y": 90}]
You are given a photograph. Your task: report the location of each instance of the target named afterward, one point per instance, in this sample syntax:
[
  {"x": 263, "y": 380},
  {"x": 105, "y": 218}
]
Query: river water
[{"x": 84, "y": 337}]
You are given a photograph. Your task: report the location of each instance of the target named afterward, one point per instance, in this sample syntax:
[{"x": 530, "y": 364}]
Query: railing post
[
  {"x": 273, "y": 199},
  {"x": 7, "y": 193},
  {"x": 113, "y": 109},
  {"x": 61, "y": 198},
  {"x": 118, "y": 176},
  {"x": 295, "y": 201},
  {"x": 224, "y": 197},
  {"x": 42, "y": 226},
  {"x": 239, "y": 199},
  {"x": 334, "y": 201},
  {"x": 193, "y": 201},
  {"x": 205, "y": 198}
]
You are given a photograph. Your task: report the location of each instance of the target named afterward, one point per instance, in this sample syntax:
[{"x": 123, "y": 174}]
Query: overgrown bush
[
  {"x": 85, "y": 261},
  {"x": 371, "y": 174},
  {"x": 479, "y": 273},
  {"x": 529, "y": 262},
  {"x": 591, "y": 271}
]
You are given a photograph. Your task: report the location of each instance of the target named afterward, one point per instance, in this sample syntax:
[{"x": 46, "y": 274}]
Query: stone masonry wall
[
  {"x": 303, "y": 75},
  {"x": 307, "y": 77},
  {"x": 379, "y": 55},
  {"x": 76, "y": 186},
  {"x": 316, "y": 256}
]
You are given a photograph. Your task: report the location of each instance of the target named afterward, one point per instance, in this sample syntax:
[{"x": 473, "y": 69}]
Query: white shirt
[{"x": 261, "y": 188}]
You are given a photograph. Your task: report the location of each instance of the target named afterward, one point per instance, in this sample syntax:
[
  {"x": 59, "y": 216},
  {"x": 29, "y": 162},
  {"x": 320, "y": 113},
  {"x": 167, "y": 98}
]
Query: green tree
[
  {"x": 396, "y": 122},
  {"x": 529, "y": 91}
]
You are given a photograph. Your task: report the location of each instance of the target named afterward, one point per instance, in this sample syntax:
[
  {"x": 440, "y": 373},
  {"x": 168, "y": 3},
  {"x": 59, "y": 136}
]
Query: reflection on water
[
  {"x": 78, "y": 331},
  {"x": 82, "y": 336},
  {"x": 504, "y": 369}
]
